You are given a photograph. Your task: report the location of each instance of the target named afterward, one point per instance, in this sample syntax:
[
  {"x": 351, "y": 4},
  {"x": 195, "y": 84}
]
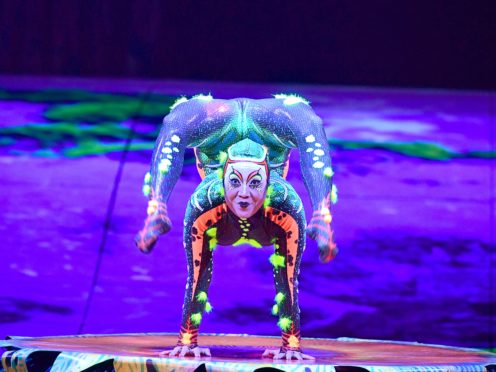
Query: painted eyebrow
[
  {"x": 253, "y": 174},
  {"x": 237, "y": 174}
]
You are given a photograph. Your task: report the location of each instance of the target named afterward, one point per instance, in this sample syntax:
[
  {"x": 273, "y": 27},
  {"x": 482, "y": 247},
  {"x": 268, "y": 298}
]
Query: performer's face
[{"x": 245, "y": 185}]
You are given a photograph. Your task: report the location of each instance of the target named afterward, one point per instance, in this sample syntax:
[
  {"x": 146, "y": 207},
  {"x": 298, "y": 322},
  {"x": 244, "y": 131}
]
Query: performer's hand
[
  {"x": 182, "y": 351},
  {"x": 319, "y": 229},
  {"x": 286, "y": 354},
  {"x": 156, "y": 224}
]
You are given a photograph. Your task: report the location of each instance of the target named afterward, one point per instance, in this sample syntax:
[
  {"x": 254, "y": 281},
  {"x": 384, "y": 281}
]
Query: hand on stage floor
[
  {"x": 182, "y": 351},
  {"x": 156, "y": 224},
  {"x": 320, "y": 230},
  {"x": 287, "y": 354}
]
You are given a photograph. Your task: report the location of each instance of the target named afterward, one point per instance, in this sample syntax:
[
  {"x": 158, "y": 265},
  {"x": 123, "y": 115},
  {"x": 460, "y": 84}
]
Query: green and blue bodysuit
[{"x": 258, "y": 131}]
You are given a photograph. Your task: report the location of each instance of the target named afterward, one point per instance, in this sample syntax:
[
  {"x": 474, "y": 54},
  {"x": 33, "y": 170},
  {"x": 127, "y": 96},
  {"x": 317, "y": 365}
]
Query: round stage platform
[{"x": 139, "y": 352}]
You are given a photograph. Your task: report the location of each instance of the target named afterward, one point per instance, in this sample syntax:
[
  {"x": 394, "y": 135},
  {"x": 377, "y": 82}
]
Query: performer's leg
[
  {"x": 285, "y": 210},
  {"x": 204, "y": 210}
]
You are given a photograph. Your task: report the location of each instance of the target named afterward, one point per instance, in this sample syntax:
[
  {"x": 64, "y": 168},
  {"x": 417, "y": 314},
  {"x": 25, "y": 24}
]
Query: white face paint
[{"x": 245, "y": 185}]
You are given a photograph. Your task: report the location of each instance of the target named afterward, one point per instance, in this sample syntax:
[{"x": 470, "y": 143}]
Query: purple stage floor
[{"x": 415, "y": 221}]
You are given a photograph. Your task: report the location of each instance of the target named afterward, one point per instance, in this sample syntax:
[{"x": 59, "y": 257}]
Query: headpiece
[{"x": 247, "y": 150}]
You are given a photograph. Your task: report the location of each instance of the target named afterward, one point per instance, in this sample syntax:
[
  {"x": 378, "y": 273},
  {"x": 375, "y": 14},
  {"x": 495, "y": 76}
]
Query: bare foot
[
  {"x": 155, "y": 225},
  {"x": 182, "y": 351},
  {"x": 320, "y": 231},
  {"x": 288, "y": 355}
]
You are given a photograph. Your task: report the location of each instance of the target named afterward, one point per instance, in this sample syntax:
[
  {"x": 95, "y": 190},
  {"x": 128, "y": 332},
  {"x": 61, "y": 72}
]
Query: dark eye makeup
[{"x": 234, "y": 181}]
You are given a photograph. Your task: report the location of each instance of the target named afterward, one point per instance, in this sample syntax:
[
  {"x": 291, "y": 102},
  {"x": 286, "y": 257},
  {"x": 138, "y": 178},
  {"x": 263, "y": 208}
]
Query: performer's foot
[
  {"x": 182, "y": 351},
  {"x": 328, "y": 252},
  {"x": 156, "y": 224},
  {"x": 286, "y": 354},
  {"x": 321, "y": 232}
]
